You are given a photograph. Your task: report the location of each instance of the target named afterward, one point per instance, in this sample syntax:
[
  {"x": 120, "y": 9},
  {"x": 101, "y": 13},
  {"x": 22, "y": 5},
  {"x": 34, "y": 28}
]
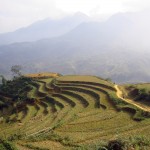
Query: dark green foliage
[
  {"x": 15, "y": 93},
  {"x": 2, "y": 147},
  {"x": 146, "y": 114},
  {"x": 2, "y": 104},
  {"x": 17, "y": 88},
  {"x": 143, "y": 95},
  {"x": 7, "y": 145},
  {"x": 133, "y": 142},
  {"x": 116, "y": 145},
  {"x": 16, "y": 70},
  {"x": 3, "y": 80},
  {"x": 139, "y": 94}
]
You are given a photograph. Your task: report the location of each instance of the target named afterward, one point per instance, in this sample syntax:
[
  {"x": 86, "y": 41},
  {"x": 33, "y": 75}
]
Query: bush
[
  {"x": 17, "y": 88},
  {"x": 116, "y": 145},
  {"x": 2, "y": 147},
  {"x": 134, "y": 142},
  {"x": 6, "y": 145}
]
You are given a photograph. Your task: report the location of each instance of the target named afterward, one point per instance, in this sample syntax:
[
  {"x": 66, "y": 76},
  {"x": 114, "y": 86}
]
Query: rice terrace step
[{"x": 69, "y": 112}]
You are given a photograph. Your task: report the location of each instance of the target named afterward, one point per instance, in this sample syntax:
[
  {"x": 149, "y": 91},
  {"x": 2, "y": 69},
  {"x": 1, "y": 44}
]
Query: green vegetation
[
  {"x": 138, "y": 92},
  {"x": 17, "y": 89},
  {"x": 142, "y": 92},
  {"x": 132, "y": 142},
  {"x": 7, "y": 145},
  {"x": 69, "y": 112}
]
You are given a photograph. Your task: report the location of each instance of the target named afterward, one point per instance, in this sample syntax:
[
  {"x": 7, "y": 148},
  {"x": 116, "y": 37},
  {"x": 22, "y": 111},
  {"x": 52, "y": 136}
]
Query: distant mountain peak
[
  {"x": 46, "y": 28},
  {"x": 80, "y": 14}
]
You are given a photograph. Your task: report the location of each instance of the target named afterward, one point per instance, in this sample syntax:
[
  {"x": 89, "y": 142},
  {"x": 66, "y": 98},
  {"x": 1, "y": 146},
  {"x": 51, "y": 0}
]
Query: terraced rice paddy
[{"x": 71, "y": 111}]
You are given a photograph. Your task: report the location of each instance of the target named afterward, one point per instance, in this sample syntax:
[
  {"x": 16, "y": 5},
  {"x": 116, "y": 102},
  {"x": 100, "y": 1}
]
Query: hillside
[
  {"x": 50, "y": 111},
  {"x": 139, "y": 92}
]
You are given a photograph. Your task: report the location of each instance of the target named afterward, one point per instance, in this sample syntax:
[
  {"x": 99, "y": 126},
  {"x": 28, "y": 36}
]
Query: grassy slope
[
  {"x": 138, "y": 92},
  {"x": 64, "y": 126}
]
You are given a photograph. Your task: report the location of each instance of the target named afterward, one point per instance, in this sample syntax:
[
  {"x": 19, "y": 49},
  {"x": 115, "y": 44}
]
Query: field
[{"x": 71, "y": 112}]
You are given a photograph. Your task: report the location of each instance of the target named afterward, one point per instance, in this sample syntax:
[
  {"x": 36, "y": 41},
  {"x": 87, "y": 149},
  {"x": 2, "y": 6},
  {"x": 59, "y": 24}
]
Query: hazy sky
[{"x": 18, "y": 13}]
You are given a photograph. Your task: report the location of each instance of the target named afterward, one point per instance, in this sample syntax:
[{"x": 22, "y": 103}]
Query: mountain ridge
[
  {"x": 96, "y": 48},
  {"x": 43, "y": 29}
]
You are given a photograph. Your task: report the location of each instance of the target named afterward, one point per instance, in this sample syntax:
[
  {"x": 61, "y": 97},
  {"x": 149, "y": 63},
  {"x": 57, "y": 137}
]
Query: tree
[
  {"x": 3, "y": 79},
  {"x": 16, "y": 70}
]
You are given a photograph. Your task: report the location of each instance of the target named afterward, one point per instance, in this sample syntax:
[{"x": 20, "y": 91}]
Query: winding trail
[{"x": 119, "y": 93}]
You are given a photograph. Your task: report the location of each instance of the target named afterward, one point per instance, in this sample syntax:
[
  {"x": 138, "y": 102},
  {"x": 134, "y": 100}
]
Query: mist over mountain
[
  {"x": 44, "y": 29},
  {"x": 117, "y": 48}
]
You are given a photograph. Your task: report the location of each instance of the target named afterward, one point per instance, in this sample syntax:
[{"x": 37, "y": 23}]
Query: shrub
[
  {"x": 7, "y": 145},
  {"x": 116, "y": 145},
  {"x": 17, "y": 88},
  {"x": 135, "y": 142},
  {"x": 2, "y": 147}
]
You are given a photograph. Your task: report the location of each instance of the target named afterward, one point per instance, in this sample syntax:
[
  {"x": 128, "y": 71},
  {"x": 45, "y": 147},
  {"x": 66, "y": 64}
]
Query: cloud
[
  {"x": 18, "y": 13},
  {"x": 137, "y": 5}
]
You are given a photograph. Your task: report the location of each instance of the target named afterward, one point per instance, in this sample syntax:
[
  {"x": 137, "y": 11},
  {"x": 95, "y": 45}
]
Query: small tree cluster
[{"x": 16, "y": 70}]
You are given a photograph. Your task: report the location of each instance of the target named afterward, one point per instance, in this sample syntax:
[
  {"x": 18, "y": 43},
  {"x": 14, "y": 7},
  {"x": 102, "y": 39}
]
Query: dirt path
[{"x": 119, "y": 93}]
